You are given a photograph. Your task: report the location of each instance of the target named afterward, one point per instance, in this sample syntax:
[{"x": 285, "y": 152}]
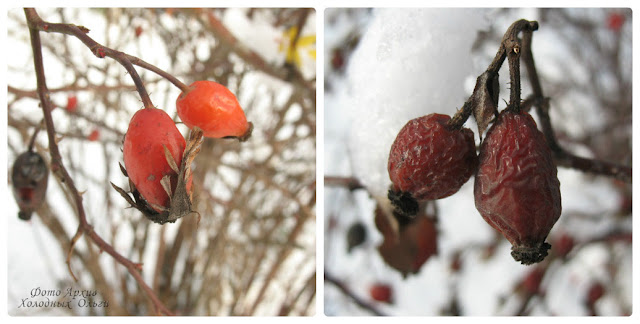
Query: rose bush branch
[
  {"x": 254, "y": 59},
  {"x": 350, "y": 183},
  {"x": 58, "y": 168},
  {"x": 514, "y": 49},
  {"x": 563, "y": 157},
  {"x": 101, "y": 51},
  {"x": 483, "y": 102},
  {"x": 328, "y": 277}
]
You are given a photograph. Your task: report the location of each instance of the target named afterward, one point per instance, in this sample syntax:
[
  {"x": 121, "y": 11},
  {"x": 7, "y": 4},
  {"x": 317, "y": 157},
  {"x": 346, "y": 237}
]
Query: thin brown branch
[
  {"x": 328, "y": 277},
  {"x": 101, "y": 51},
  {"x": 32, "y": 141},
  {"x": 73, "y": 242},
  {"x": 71, "y": 88},
  {"x": 563, "y": 157},
  {"x": 350, "y": 183},
  {"x": 58, "y": 168},
  {"x": 515, "y": 50},
  {"x": 509, "y": 48},
  {"x": 137, "y": 61},
  {"x": 282, "y": 256},
  {"x": 253, "y": 58}
]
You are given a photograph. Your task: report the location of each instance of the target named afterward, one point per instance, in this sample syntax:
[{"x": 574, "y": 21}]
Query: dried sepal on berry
[
  {"x": 485, "y": 100},
  {"x": 180, "y": 199}
]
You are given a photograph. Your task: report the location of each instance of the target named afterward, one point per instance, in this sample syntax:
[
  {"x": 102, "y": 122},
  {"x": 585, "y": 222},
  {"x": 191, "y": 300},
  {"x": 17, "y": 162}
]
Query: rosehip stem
[
  {"x": 124, "y": 61},
  {"x": 512, "y": 46},
  {"x": 461, "y": 116},
  {"x": 514, "y": 74},
  {"x": 32, "y": 141},
  {"x": 57, "y": 167},
  {"x": 509, "y": 48},
  {"x": 137, "y": 61},
  {"x": 562, "y": 157}
]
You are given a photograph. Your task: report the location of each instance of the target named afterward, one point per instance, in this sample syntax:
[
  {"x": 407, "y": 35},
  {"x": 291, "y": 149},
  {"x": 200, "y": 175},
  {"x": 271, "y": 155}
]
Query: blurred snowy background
[
  {"x": 385, "y": 67},
  {"x": 253, "y": 251}
]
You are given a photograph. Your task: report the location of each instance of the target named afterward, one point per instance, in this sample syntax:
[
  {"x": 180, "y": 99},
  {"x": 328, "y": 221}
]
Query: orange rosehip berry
[{"x": 214, "y": 109}]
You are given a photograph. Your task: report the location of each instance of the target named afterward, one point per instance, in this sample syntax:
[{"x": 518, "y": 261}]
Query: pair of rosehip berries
[
  {"x": 516, "y": 185},
  {"x": 207, "y": 105}
]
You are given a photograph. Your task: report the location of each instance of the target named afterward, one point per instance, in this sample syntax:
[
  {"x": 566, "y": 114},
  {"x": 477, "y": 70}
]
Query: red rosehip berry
[
  {"x": 429, "y": 160},
  {"x": 138, "y": 31},
  {"x": 94, "y": 135},
  {"x": 516, "y": 188},
  {"x": 412, "y": 247},
  {"x": 615, "y": 20},
  {"x": 381, "y": 292},
  {"x": 150, "y": 130},
  {"x": 214, "y": 109},
  {"x": 29, "y": 178},
  {"x": 337, "y": 59},
  {"x": 531, "y": 283},
  {"x": 72, "y": 103},
  {"x": 563, "y": 245},
  {"x": 596, "y": 291}
]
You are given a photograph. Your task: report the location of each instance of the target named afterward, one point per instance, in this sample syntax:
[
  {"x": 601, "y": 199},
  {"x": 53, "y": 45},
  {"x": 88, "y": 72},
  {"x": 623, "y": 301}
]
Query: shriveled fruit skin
[
  {"x": 516, "y": 187},
  {"x": 144, "y": 158},
  {"x": 214, "y": 109},
  {"x": 430, "y": 160}
]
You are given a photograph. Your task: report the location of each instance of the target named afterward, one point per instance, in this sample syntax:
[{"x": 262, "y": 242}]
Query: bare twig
[
  {"x": 328, "y": 277},
  {"x": 563, "y": 157},
  {"x": 515, "y": 49},
  {"x": 253, "y": 58},
  {"x": 57, "y": 166},
  {"x": 101, "y": 51},
  {"x": 349, "y": 183}
]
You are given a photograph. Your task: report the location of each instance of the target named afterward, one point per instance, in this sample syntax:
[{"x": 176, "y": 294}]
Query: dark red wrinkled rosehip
[
  {"x": 429, "y": 160},
  {"x": 516, "y": 188},
  {"x": 29, "y": 178}
]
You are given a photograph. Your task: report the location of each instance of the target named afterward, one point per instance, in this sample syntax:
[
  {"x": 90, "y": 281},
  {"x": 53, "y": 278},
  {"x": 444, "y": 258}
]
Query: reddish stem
[{"x": 58, "y": 168}]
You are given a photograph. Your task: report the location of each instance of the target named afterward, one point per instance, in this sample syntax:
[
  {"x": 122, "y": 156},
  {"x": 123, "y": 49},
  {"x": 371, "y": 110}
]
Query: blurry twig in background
[{"x": 328, "y": 277}]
